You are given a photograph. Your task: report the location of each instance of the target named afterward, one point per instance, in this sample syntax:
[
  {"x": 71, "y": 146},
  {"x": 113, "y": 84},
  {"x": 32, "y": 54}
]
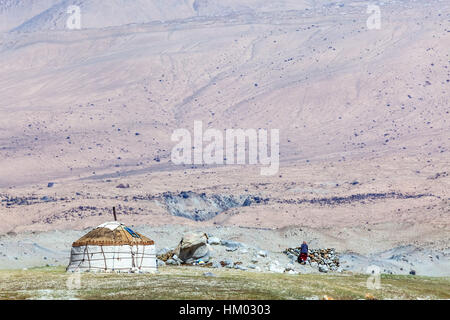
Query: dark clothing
[
  {"x": 303, "y": 257},
  {"x": 303, "y": 253},
  {"x": 304, "y": 248}
]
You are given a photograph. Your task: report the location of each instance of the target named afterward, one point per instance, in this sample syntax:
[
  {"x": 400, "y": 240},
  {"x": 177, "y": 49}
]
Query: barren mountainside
[
  {"x": 86, "y": 116},
  {"x": 52, "y": 14}
]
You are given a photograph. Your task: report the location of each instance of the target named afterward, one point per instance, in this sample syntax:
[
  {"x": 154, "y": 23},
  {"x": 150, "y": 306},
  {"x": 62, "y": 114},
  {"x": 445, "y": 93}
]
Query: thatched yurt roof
[{"x": 112, "y": 234}]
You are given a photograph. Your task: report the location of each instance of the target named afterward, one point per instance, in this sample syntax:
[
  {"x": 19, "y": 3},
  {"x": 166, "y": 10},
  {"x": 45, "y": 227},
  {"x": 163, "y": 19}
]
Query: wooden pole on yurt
[{"x": 114, "y": 213}]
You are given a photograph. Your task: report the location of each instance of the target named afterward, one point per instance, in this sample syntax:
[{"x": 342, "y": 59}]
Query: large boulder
[{"x": 193, "y": 247}]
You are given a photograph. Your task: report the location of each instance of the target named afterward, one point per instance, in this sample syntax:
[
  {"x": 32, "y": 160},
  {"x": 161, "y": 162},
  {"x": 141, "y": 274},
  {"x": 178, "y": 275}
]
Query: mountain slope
[
  {"x": 105, "y": 99},
  {"x": 15, "y": 12},
  {"x": 100, "y": 14}
]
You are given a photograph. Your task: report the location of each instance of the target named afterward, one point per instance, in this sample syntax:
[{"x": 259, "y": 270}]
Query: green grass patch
[{"x": 189, "y": 283}]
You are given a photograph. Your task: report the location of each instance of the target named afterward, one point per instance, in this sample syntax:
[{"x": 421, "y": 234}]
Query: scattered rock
[
  {"x": 214, "y": 241},
  {"x": 292, "y": 257},
  {"x": 203, "y": 207},
  {"x": 175, "y": 257},
  {"x": 290, "y": 267},
  {"x": 240, "y": 267},
  {"x": 172, "y": 262},
  {"x": 323, "y": 268},
  {"x": 276, "y": 267},
  {"x": 232, "y": 244},
  {"x": 227, "y": 263},
  {"x": 123, "y": 186},
  {"x": 161, "y": 263},
  {"x": 262, "y": 253}
]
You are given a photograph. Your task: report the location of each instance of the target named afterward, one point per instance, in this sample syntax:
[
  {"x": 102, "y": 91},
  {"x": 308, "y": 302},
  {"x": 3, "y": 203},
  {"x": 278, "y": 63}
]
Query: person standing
[{"x": 303, "y": 253}]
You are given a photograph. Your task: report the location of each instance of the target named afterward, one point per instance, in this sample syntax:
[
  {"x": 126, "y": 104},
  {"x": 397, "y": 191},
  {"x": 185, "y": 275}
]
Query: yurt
[{"x": 113, "y": 247}]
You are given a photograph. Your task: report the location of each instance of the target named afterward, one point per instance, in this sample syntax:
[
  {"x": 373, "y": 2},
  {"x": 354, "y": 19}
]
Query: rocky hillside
[{"x": 243, "y": 249}]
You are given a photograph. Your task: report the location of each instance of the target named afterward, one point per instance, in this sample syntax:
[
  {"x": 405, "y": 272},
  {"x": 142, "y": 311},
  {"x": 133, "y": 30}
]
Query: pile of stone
[
  {"x": 323, "y": 259},
  {"x": 200, "y": 249}
]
